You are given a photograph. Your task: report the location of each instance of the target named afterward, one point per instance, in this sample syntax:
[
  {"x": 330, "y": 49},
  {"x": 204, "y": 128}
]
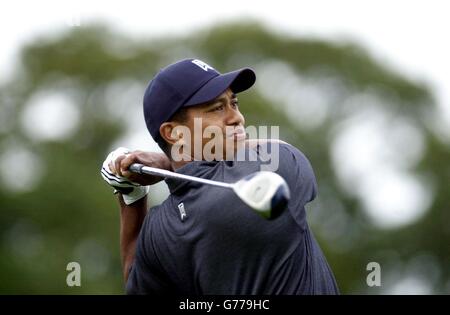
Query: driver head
[{"x": 265, "y": 192}]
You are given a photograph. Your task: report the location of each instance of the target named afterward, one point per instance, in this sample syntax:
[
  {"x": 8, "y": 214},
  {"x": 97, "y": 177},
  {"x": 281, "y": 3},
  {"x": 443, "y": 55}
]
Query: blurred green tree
[{"x": 55, "y": 208}]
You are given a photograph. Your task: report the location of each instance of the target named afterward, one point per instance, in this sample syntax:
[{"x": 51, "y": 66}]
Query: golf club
[{"x": 265, "y": 192}]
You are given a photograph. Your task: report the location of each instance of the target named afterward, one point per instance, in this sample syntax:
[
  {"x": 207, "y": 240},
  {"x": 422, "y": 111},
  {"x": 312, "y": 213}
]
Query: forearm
[
  {"x": 131, "y": 219},
  {"x": 115, "y": 171}
]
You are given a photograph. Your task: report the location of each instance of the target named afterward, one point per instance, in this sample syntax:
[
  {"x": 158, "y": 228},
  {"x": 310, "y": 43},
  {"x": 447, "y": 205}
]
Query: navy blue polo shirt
[{"x": 205, "y": 240}]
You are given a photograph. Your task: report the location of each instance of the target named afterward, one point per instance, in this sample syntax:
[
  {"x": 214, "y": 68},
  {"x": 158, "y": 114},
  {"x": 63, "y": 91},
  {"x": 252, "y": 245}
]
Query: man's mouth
[{"x": 237, "y": 133}]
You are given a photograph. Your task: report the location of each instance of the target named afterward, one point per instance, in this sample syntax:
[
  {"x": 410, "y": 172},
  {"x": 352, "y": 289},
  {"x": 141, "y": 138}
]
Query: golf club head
[{"x": 265, "y": 192}]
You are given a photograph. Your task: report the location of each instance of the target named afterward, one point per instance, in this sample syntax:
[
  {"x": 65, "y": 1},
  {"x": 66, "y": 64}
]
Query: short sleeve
[
  {"x": 296, "y": 169},
  {"x": 300, "y": 173},
  {"x": 146, "y": 274}
]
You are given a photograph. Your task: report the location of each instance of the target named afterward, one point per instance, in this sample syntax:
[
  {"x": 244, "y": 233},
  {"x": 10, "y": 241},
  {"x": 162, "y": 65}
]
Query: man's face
[{"x": 221, "y": 125}]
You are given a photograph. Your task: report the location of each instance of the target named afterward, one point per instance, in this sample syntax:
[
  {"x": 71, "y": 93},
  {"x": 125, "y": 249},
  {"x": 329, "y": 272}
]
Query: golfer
[{"x": 204, "y": 239}]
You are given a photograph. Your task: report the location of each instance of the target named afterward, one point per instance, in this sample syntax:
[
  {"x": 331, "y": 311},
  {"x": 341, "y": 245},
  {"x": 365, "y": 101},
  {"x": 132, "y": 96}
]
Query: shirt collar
[
  {"x": 204, "y": 169},
  {"x": 194, "y": 168}
]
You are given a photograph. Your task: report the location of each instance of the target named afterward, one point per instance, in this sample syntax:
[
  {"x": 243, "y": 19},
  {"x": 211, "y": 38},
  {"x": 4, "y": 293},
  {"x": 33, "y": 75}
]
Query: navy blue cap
[{"x": 188, "y": 82}]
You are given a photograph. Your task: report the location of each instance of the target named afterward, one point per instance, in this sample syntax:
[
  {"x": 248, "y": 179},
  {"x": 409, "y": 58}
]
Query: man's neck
[
  {"x": 177, "y": 165},
  {"x": 188, "y": 159}
]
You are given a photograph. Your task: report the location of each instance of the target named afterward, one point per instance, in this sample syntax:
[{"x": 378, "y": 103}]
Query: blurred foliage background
[{"x": 382, "y": 174}]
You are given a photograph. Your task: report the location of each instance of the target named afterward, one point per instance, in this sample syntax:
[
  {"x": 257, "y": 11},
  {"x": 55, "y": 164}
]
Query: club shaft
[{"x": 142, "y": 169}]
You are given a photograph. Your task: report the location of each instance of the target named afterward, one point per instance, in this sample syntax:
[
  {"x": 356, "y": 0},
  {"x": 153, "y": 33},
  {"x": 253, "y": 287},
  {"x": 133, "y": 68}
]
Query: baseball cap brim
[{"x": 238, "y": 81}]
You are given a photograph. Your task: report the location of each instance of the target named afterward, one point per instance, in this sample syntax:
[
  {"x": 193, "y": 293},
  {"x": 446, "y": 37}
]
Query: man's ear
[
  {"x": 174, "y": 133},
  {"x": 165, "y": 130}
]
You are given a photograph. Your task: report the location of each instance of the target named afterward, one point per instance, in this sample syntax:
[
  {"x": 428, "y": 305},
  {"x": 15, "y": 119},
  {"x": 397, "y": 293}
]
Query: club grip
[{"x": 136, "y": 168}]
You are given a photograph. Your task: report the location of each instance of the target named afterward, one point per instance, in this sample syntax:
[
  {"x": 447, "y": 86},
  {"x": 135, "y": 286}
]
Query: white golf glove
[{"x": 131, "y": 191}]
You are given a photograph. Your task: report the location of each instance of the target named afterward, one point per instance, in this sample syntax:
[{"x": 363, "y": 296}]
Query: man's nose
[{"x": 234, "y": 116}]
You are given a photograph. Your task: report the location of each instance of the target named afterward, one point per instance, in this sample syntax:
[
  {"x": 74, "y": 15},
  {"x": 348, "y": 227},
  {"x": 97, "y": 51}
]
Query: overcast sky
[{"x": 411, "y": 36}]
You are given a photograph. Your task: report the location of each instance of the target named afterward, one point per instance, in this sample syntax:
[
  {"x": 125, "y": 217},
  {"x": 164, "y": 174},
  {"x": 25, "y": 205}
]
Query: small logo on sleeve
[{"x": 182, "y": 211}]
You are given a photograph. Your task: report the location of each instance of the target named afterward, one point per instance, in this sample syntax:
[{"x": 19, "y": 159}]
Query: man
[{"x": 203, "y": 239}]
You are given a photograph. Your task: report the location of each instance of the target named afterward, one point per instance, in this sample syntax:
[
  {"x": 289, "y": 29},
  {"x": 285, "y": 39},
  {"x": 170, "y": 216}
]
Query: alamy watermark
[
  {"x": 213, "y": 143},
  {"x": 74, "y": 19},
  {"x": 373, "y": 279},
  {"x": 73, "y": 278}
]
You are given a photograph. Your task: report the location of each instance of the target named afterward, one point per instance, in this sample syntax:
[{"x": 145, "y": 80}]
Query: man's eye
[
  {"x": 235, "y": 103},
  {"x": 218, "y": 108}
]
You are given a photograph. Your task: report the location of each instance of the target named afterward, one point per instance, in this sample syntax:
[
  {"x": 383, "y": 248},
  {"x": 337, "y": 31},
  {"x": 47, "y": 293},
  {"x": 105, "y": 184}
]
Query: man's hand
[
  {"x": 132, "y": 186},
  {"x": 122, "y": 163}
]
